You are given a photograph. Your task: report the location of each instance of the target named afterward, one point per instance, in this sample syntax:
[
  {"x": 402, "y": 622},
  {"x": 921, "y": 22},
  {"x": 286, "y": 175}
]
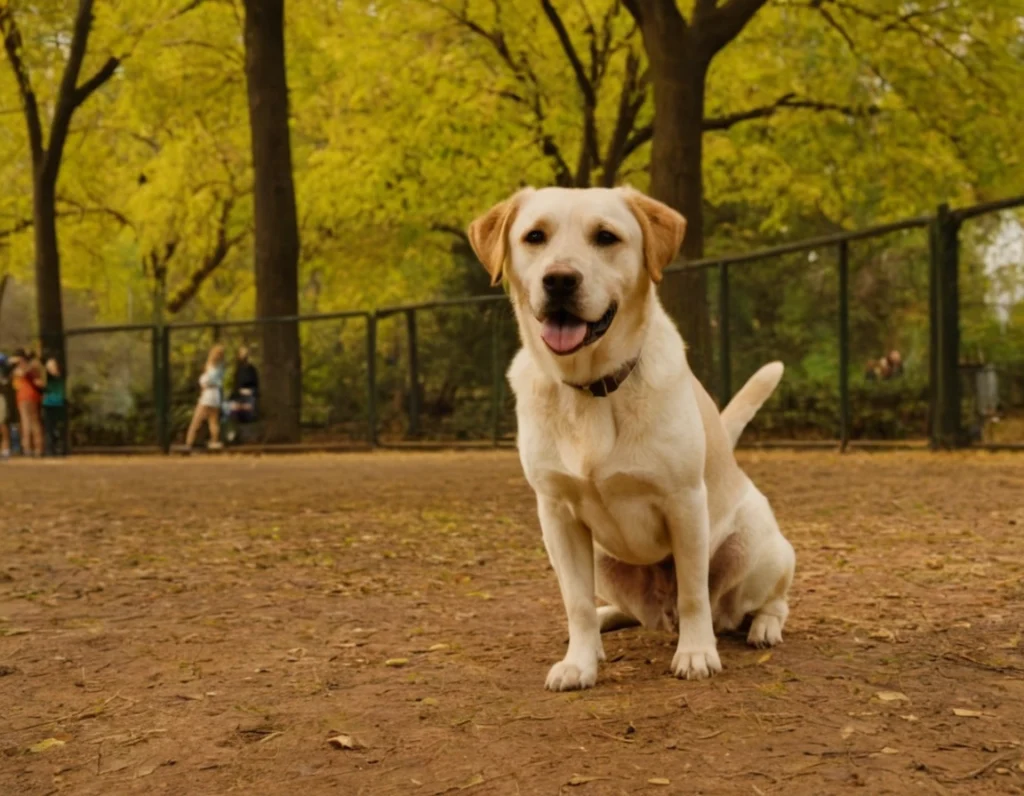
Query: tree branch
[
  {"x": 19, "y": 226},
  {"x": 83, "y": 210},
  {"x": 14, "y": 45},
  {"x": 631, "y": 100},
  {"x": 67, "y": 95},
  {"x": 458, "y": 232},
  {"x": 724, "y": 23},
  {"x": 210, "y": 263},
  {"x": 527, "y": 78},
  {"x": 787, "y": 102},
  {"x": 589, "y": 151},
  {"x": 585, "y": 86},
  {"x": 102, "y": 76}
]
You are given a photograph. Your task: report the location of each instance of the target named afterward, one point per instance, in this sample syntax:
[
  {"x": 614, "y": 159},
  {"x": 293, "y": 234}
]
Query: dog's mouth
[{"x": 565, "y": 333}]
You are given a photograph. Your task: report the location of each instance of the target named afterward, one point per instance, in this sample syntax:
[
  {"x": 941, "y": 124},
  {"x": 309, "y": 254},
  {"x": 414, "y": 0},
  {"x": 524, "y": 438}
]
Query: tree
[
  {"x": 681, "y": 49},
  {"x": 47, "y": 153},
  {"x": 277, "y": 231}
]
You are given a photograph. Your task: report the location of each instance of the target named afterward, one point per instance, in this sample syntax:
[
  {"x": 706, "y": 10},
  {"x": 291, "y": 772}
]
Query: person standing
[
  {"x": 211, "y": 383},
  {"x": 55, "y": 413},
  {"x": 6, "y": 407},
  {"x": 29, "y": 383}
]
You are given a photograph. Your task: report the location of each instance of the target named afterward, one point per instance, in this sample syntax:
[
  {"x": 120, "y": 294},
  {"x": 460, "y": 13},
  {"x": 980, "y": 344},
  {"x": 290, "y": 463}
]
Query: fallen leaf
[
  {"x": 45, "y": 745},
  {"x": 146, "y": 770},
  {"x": 430, "y": 702},
  {"x": 659, "y": 781},
  {"x": 964, "y": 713},
  {"x": 888, "y": 750},
  {"x": 764, "y": 658},
  {"x": 892, "y": 696},
  {"x": 909, "y": 717},
  {"x": 883, "y": 635},
  {"x": 847, "y": 731},
  {"x": 576, "y": 780},
  {"x": 14, "y": 631},
  {"x": 396, "y": 662},
  {"x": 1002, "y": 770},
  {"x": 191, "y": 697},
  {"x": 476, "y": 779},
  {"x": 345, "y": 742},
  {"x": 437, "y": 647}
]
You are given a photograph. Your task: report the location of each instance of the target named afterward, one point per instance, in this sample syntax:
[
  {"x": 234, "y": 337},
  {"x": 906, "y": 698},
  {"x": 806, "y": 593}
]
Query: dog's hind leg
[
  {"x": 638, "y": 595},
  {"x": 772, "y": 579},
  {"x": 765, "y": 587},
  {"x": 613, "y": 618}
]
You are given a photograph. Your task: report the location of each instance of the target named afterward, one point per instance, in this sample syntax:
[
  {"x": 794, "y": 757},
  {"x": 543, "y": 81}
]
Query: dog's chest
[{"x": 611, "y": 483}]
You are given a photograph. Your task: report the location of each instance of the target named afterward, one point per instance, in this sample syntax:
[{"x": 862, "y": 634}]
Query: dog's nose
[{"x": 561, "y": 283}]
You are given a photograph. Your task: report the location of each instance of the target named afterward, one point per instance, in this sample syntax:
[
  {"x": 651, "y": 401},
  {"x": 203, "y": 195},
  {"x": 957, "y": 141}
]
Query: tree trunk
[
  {"x": 679, "y": 73},
  {"x": 277, "y": 233},
  {"x": 49, "y": 306}
]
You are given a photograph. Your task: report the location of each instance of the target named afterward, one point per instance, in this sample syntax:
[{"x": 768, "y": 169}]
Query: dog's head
[{"x": 578, "y": 262}]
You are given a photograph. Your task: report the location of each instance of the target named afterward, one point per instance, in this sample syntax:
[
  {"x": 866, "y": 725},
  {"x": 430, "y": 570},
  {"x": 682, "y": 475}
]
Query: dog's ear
[
  {"x": 488, "y": 235},
  {"x": 663, "y": 230}
]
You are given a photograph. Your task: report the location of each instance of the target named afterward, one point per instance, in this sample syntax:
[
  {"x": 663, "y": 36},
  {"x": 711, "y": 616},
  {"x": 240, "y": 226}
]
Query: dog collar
[{"x": 605, "y": 386}]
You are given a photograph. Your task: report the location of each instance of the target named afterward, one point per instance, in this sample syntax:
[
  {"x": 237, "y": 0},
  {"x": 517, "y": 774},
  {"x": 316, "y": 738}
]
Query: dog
[{"x": 640, "y": 499}]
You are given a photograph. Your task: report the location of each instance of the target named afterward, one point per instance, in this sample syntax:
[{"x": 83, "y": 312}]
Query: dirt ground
[{"x": 206, "y": 625}]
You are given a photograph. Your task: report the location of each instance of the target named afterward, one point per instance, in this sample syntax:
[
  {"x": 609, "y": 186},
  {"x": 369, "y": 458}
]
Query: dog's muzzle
[{"x": 565, "y": 333}]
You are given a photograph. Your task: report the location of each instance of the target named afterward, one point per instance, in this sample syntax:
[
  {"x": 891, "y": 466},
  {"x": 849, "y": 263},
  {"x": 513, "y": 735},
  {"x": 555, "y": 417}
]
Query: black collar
[{"x": 604, "y": 387}]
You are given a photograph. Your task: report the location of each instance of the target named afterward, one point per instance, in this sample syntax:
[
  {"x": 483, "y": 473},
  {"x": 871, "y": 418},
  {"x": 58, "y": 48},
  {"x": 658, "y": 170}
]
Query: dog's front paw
[
  {"x": 572, "y": 675},
  {"x": 696, "y": 664}
]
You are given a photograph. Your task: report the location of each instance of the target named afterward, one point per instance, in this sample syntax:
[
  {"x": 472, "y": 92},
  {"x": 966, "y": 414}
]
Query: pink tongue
[{"x": 563, "y": 337}]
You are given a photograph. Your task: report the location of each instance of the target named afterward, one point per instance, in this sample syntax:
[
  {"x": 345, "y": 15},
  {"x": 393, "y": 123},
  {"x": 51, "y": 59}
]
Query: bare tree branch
[
  {"x": 526, "y": 77},
  {"x": 210, "y": 263},
  {"x": 190, "y": 6},
  {"x": 82, "y": 210},
  {"x": 631, "y": 100},
  {"x": 104, "y": 74},
  {"x": 14, "y": 45},
  {"x": 451, "y": 229},
  {"x": 67, "y": 95},
  {"x": 19, "y": 226},
  {"x": 787, "y": 102},
  {"x": 724, "y": 23},
  {"x": 584, "y": 84}
]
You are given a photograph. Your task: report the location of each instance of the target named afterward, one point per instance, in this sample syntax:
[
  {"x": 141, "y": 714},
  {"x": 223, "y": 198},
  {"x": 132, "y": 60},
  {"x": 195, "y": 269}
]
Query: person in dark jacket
[{"x": 246, "y": 388}]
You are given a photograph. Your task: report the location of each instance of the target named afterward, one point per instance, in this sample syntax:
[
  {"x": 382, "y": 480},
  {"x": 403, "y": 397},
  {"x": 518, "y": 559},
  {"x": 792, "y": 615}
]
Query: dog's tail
[{"x": 749, "y": 399}]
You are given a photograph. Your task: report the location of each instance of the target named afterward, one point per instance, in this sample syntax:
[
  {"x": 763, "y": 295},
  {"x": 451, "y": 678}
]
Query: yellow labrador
[{"x": 640, "y": 498}]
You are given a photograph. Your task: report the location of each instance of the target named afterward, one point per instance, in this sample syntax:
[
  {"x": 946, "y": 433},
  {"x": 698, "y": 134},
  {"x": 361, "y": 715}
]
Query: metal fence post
[
  {"x": 163, "y": 405},
  {"x": 414, "y": 374},
  {"x": 65, "y": 429},
  {"x": 158, "y": 386},
  {"x": 946, "y": 267},
  {"x": 371, "y": 377},
  {"x": 495, "y": 375},
  {"x": 933, "y": 333},
  {"x": 724, "y": 344},
  {"x": 844, "y": 345}
]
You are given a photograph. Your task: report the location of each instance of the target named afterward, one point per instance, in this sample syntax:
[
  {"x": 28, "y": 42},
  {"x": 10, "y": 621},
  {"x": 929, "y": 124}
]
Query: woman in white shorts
[{"x": 211, "y": 383}]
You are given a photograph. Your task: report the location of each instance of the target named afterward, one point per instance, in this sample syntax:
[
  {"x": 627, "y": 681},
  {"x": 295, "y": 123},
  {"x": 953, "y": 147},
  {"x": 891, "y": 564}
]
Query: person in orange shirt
[{"x": 29, "y": 382}]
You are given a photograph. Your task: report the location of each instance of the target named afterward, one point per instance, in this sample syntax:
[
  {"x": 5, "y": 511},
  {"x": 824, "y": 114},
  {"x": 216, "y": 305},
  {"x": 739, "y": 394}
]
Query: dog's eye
[
  {"x": 535, "y": 237},
  {"x": 606, "y": 238}
]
